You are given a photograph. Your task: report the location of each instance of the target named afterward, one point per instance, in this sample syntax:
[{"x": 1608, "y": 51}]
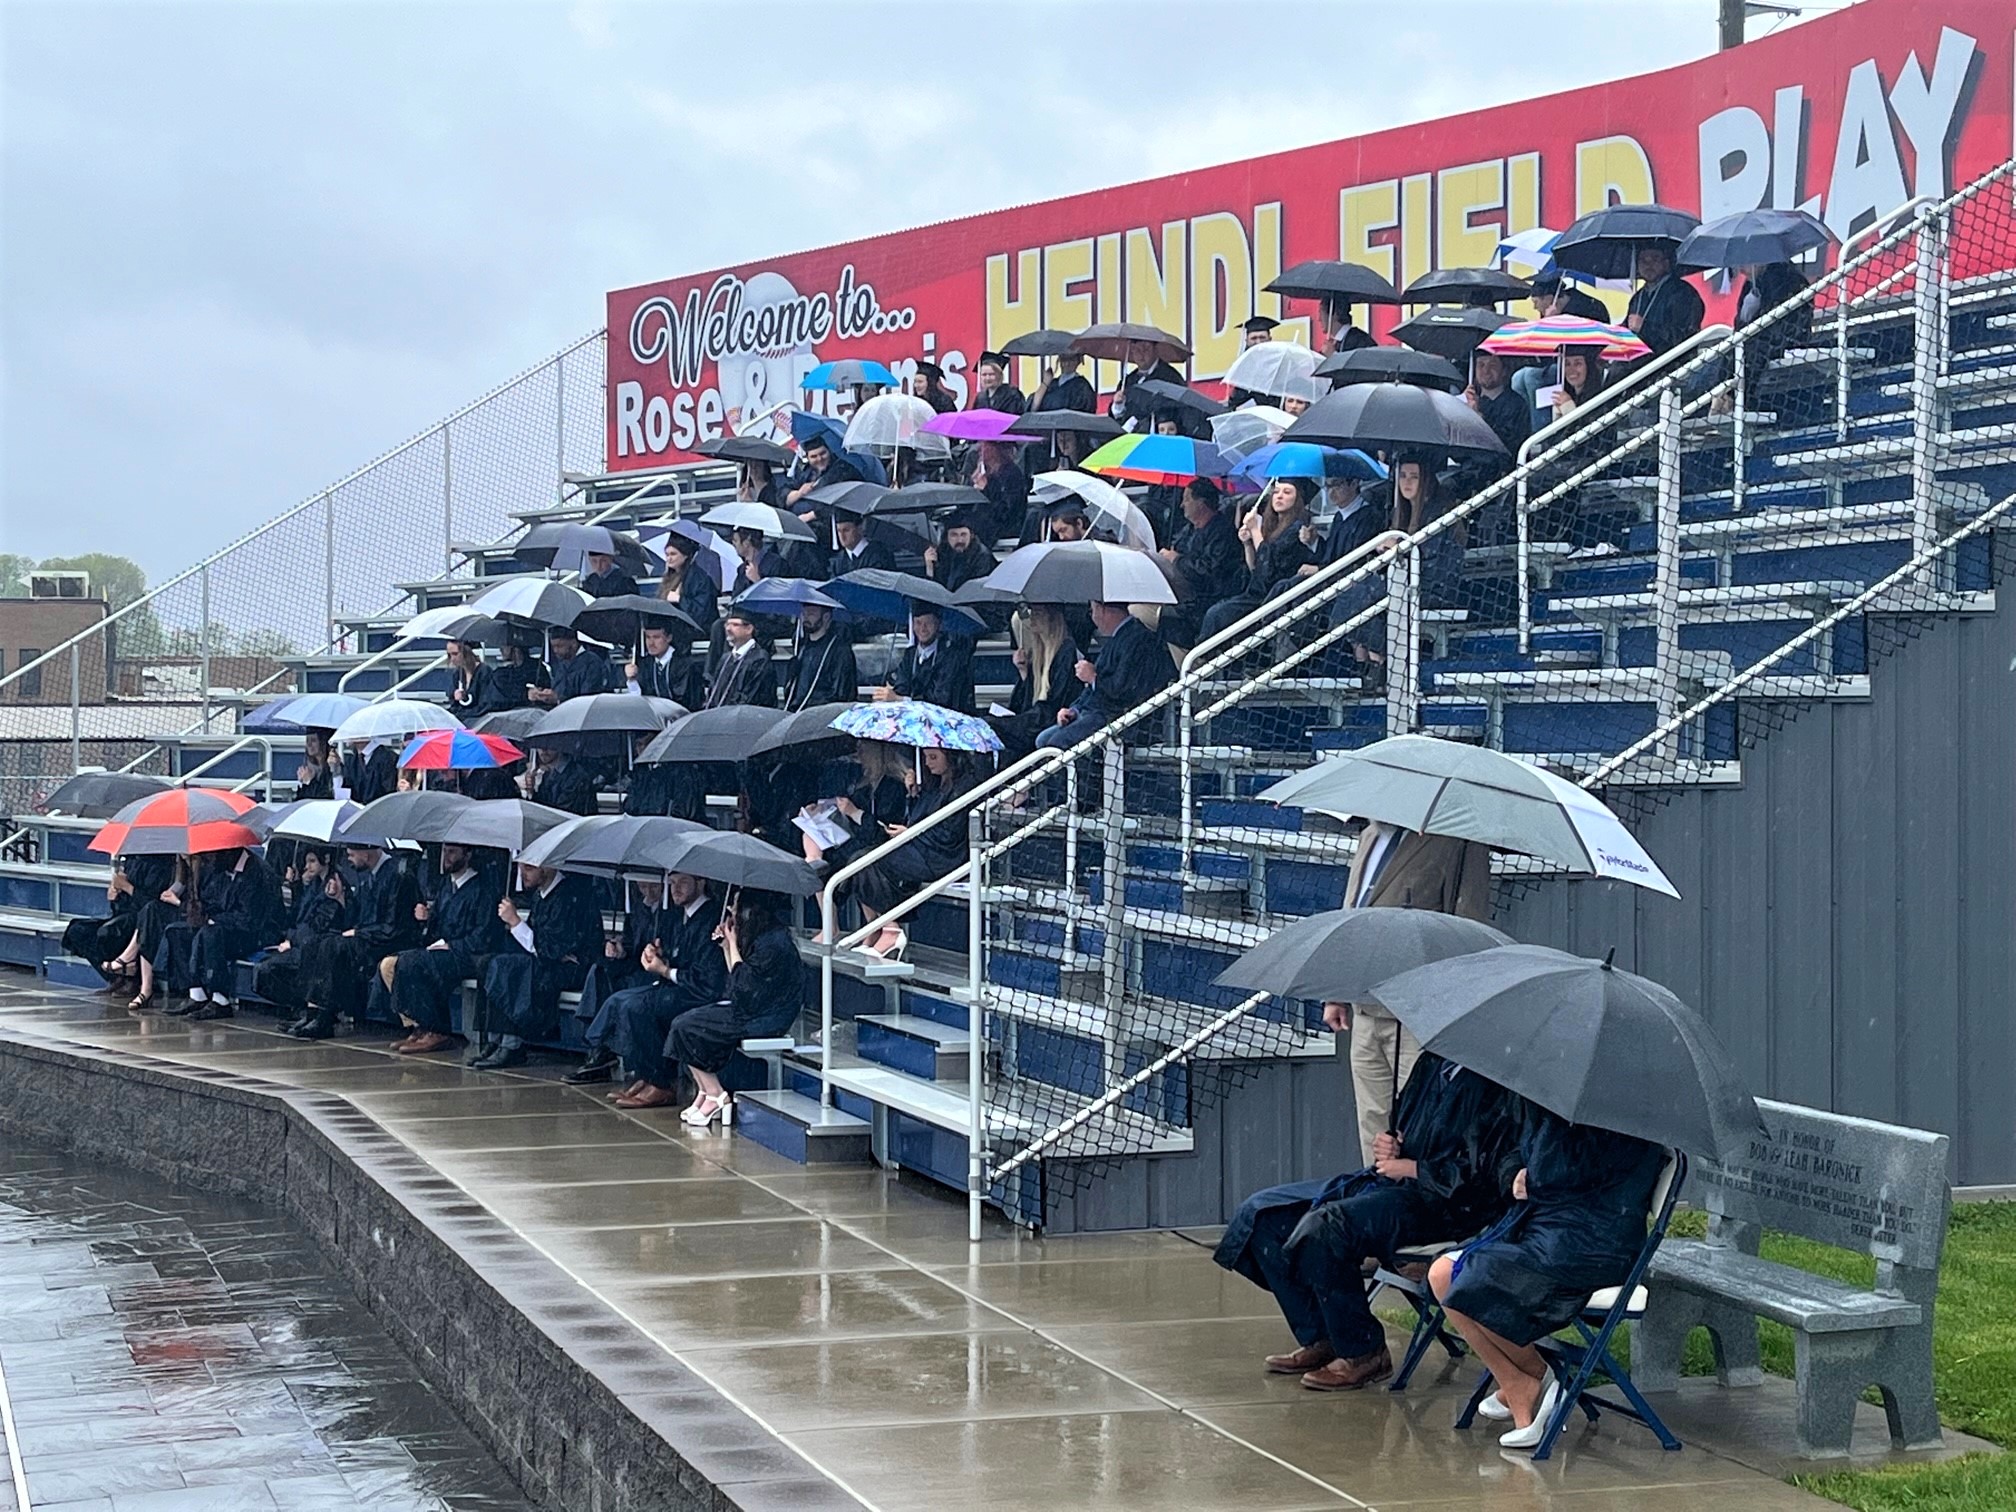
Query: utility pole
[{"x": 1729, "y": 23}]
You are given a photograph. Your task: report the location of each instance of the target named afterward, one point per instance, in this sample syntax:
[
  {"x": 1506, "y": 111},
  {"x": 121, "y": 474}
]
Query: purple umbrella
[{"x": 976, "y": 425}]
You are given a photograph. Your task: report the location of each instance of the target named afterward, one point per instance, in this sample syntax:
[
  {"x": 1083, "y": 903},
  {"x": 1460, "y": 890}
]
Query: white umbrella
[
  {"x": 889, "y": 421},
  {"x": 451, "y": 622},
  {"x": 320, "y": 711},
  {"x": 396, "y": 719},
  {"x": 1440, "y": 787},
  {"x": 774, "y": 523},
  {"x": 530, "y": 597},
  {"x": 1244, "y": 431},
  {"x": 1532, "y": 250},
  {"x": 1105, "y": 504},
  {"x": 1079, "y": 572},
  {"x": 306, "y": 819},
  {"x": 1280, "y": 368}
]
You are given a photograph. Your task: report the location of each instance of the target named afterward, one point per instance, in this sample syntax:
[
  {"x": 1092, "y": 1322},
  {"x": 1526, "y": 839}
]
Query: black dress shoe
[
  {"x": 499, "y": 1058},
  {"x": 322, "y": 1026},
  {"x": 599, "y": 1067},
  {"x": 204, "y": 1012},
  {"x": 181, "y": 1008}
]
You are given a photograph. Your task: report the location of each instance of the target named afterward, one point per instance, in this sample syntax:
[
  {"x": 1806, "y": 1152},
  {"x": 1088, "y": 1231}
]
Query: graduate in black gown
[
  {"x": 109, "y": 943},
  {"x": 688, "y": 584},
  {"x": 821, "y": 668},
  {"x": 578, "y": 670},
  {"x": 1258, "y": 329},
  {"x": 463, "y": 930},
  {"x": 765, "y": 996},
  {"x": 991, "y": 388},
  {"x": 1581, "y": 1197},
  {"x": 1209, "y": 561},
  {"x": 1066, "y": 388},
  {"x": 684, "y": 968},
  {"x": 929, "y": 385},
  {"x": 155, "y": 908},
  {"x": 1128, "y": 406},
  {"x": 1131, "y": 668},
  {"x": 238, "y": 910},
  {"x": 998, "y": 473},
  {"x": 1274, "y": 549},
  {"x": 1046, "y": 680},
  {"x": 564, "y": 782},
  {"x": 665, "y": 669},
  {"x": 935, "y": 667},
  {"x": 519, "y": 673},
  {"x": 555, "y": 936},
  {"x": 469, "y": 692},
  {"x": 605, "y": 578},
  {"x": 1437, "y": 1177},
  {"x": 854, "y": 551},
  {"x": 337, "y": 969},
  {"x": 746, "y": 673},
  {"x": 1665, "y": 309},
  {"x": 371, "y": 770},
  {"x": 620, "y": 965},
  {"x": 316, "y": 907},
  {"x": 959, "y": 557},
  {"x": 874, "y": 801},
  {"x": 880, "y": 886},
  {"x": 819, "y": 466}
]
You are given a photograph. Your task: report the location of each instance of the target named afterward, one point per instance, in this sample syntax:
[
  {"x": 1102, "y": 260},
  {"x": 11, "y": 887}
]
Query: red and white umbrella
[{"x": 182, "y": 822}]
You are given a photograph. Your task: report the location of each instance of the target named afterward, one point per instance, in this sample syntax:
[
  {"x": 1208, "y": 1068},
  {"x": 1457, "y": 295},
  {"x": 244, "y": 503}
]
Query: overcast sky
[{"x": 246, "y": 247}]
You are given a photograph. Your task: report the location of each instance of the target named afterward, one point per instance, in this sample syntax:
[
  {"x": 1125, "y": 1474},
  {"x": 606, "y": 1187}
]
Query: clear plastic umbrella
[
  {"x": 776, "y": 524},
  {"x": 1106, "y": 506},
  {"x": 395, "y": 719},
  {"x": 1245, "y": 431},
  {"x": 890, "y": 421},
  {"x": 1279, "y": 368}
]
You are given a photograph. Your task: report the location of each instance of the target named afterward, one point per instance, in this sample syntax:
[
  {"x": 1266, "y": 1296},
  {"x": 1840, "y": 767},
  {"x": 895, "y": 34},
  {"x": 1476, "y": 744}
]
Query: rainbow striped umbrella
[
  {"x": 1545, "y": 338},
  {"x": 181, "y": 822},
  {"x": 1161, "y": 459},
  {"x": 458, "y": 751}
]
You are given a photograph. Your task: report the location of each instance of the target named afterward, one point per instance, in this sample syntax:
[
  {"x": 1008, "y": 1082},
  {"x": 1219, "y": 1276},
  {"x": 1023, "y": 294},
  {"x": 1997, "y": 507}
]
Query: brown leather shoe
[
  {"x": 420, "y": 1044},
  {"x": 650, "y": 1097},
  {"x": 1415, "y": 1271},
  {"x": 1351, "y": 1375},
  {"x": 1309, "y": 1357}
]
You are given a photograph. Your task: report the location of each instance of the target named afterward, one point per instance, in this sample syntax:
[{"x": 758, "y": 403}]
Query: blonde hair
[
  {"x": 1043, "y": 634},
  {"x": 881, "y": 758}
]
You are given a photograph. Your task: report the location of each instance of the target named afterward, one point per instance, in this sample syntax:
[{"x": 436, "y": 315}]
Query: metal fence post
[
  {"x": 203, "y": 581},
  {"x": 329, "y": 566},
  {"x": 1403, "y": 643},
  {"x": 1186, "y": 777},
  {"x": 559, "y": 423},
  {"x": 1666, "y": 567},
  {"x": 1927, "y": 342},
  {"x": 1523, "y": 570},
  {"x": 976, "y": 1027},
  {"x": 447, "y": 501},
  {"x": 1740, "y": 443},
  {"x": 76, "y": 713}
]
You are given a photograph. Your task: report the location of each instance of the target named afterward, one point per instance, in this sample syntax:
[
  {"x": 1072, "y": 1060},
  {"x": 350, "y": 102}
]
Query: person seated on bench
[
  {"x": 766, "y": 993},
  {"x": 1437, "y": 1177},
  {"x": 684, "y": 968},
  {"x": 462, "y": 920},
  {"x": 881, "y": 885},
  {"x": 936, "y": 667},
  {"x": 317, "y": 912},
  {"x": 1131, "y": 668},
  {"x": 621, "y": 966},
  {"x": 378, "y": 921},
  {"x": 110, "y": 943},
  {"x": 556, "y": 935},
  {"x": 237, "y": 910},
  {"x": 1581, "y": 1196}
]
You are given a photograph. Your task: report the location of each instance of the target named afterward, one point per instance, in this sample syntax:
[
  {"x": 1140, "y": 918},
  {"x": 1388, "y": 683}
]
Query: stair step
[
  {"x": 799, "y": 1128},
  {"x": 914, "y": 1045}
]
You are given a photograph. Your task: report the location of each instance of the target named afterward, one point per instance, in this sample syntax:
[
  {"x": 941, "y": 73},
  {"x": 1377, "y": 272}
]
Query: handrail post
[
  {"x": 1841, "y": 303},
  {"x": 1403, "y": 642},
  {"x": 1071, "y": 826},
  {"x": 1666, "y": 566},
  {"x": 447, "y": 500},
  {"x": 329, "y": 566},
  {"x": 829, "y": 927},
  {"x": 1740, "y": 442},
  {"x": 1927, "y": 340},
  {"x": 204, "y": 606},
  {"x": 1113, "y": 890},
  {"x": 976, "y": 1027},
  {"x": 1523, "y": 533},
  {"x": 1186, "y": 777},
  {"x": 76, "y": 712}
]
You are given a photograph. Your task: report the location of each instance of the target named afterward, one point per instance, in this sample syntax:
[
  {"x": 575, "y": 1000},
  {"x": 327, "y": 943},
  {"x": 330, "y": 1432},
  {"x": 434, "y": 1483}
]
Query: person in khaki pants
[{"x": 1399, "y": 868}]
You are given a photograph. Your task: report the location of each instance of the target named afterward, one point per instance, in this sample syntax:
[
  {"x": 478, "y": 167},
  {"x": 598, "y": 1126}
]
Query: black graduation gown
[
  {"x": 1672, "y": 312},
  {"x": 1123, "y": 407},
  {"x": 821, "y": 671},
  {"x": 511, "y": 683},
  {"x": 611, "y": 584},
  {"x": 1210, "y": 562},
  {"x": 666, "y": 787},
  {"x": 471, "y": 694},
  {"x": 316, "y": 915},
  {"x": 699, "y": 597},
  {"x": 1005, "y": 397},
  {"x": 464, "y": 919},
  {"x": 611, "y": 974},
  {"x": 98, "y": 940},
  {"x": 766, "y": 994},
  {"x": 586, "y": 671},
  {"x": 882, "y": 805},
  {"x": 569, "y": 786},
  {"x": 677, "y": 678},
  {"x": 954, "y": 569},
  {"x": 1132, "y": 667},
  {"x": 521, "y": 989},
  {"x": 1007, "y": 491},
  {"x": 926, "y": 858},
  {"x": 321, "y": 785},
  {"x": 1775, "y": 283},
  {"x": 1029, "y": 716},
  {"x": 1073, "y": 391},
  {"x": 873, "y": 555},
  {"x": 944, "y": 678},
  {"x": 769, "y": 561},
  {"x": 750, "y": 678},
  {"x": 634, "y": 1022},
  {"x": 371, "y": 779},
  {"x": 337, "y": 968}
]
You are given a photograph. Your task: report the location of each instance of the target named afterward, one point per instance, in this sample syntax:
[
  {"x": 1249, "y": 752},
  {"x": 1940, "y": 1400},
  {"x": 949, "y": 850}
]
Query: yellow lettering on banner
[
  {"x": 1018, "y": 311},
  {"x": 1155, "y": 292},
  {"x": 1066, "y": 307},
  {"x": 1362, "y": 210},
  {"x": 1460, "y": 195},
  {"x": 1522, "y": 209},
  {"x": 1218, "y": 251},
  {"x": 1267, "y": 268},
  {"x": 1105, "y": 374},
  {"x": 1414, "y": 228},
  {"x": 1612, "y": 171}
]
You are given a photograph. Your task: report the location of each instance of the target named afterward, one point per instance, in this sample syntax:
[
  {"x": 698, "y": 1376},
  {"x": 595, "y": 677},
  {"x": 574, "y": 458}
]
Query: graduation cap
[
  {"x": 1258, "y": 325},
  {"x": 735, "y": 611},
  {"x": 930, "y": 370},
  {"x": 994, "y": 357},
  {"x": 959, "y": 519},
  {"x": 1065, "y": 508}
]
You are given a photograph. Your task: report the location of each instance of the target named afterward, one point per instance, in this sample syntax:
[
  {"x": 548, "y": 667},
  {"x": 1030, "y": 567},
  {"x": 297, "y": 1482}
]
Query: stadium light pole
[{"x": 1730, "y": 15}]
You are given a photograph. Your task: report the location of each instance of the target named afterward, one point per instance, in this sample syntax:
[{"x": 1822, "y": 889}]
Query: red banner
[{"x": 1847, "y": 116}]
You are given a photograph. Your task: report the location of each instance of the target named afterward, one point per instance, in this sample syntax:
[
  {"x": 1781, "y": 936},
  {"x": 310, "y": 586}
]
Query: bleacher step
[
  {"x": 798, "y": 1128},
  {"x": 914, "y": 1045}
]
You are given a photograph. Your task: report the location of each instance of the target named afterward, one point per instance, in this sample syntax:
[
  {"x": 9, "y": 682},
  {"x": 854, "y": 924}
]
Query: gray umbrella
[
  {"x": 508, "y": 824},
  {"x": 399, "y": 816},
  {"x": 807, "y": 735},
  {"x": 1582, "y": 1039},
  {"x": 1341, "y": 955},
  {"x": 738, "y": 860},
  {"x": 512, "y": 724},
  {"x": 582, "y": 722},
  {"x": 613, "y": 843},
  {"x": 100, "y": 795},
  {"x": 726, "y": 734}
]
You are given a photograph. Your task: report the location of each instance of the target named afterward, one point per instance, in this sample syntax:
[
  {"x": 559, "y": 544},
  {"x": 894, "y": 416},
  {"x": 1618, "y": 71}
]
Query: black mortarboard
[
  {"x": 959, "y": 519},
  {"x": 994, "y": 357},
  {"x": 737, "y": 612},
  {"x": 562, "y": 632},
  {"x": 1066, "y": 507},
  {"x": 930, "y": 370},
  {"x": 1259, "y": 325}
]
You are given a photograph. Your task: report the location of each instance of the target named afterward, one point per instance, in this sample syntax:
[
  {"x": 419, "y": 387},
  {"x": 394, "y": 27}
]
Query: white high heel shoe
[
  {"x": 1533, "y": 1432},
  {"x": 1493, "y": 1409},
  {"x": 706, "y": 1108}
]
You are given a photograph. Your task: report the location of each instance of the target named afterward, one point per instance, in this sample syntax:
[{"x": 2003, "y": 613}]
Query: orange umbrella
[{"x": 180, "y": 822}]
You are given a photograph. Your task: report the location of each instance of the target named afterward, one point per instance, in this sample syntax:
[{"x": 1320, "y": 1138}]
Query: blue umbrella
[
  {"x": 807, "y": 427},
  {"x": 847, "y": 372},
  {"x": 787, "y": 594},
  {"x": 1304, "y": 459},
  {"x": 875, "y": 593},
  {"x": 905, "y": 721}
]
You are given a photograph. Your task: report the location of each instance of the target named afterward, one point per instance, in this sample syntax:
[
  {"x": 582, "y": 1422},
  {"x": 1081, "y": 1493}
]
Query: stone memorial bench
[{"x": 1847, "y": 1182}]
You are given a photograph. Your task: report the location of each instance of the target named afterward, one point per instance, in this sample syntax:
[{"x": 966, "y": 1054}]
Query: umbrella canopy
[
  {"x": 1038, "y": 344},
  {"x": 877, "y": 593},
  {"x": 455, "y": 622},
  {"x": 1160, "y": 459},
  {"x": 100, "y": 795},
  {"x": 1606, "y": 242},
  {"x": 1299, "y": 459},
  {"x": 1126, "y": 342},
  {"x": 724, "y": 734},
  {"x": 1461, "y": 286},
  {"x": 458, "y": 751},
  {"x": 395, "y": 719},
  {"x": 747, "y": 449},
  {"x": 1339, "y": 956},
  {"x": 891, "y": 421},
  {"x": 179, "y": 822},
  {"x": 1532, "y": 248},
  {"x": 807, "y": 735},
  {"x": 1382, "y": 364},
  {"x": 1593, "y": 1044},
  {"x": 1048, "y": 422},
  {"x": 1079, "y": 572},
  {"x": 320, "y": 819},
  {"x": 530, "y": 600},
  {"x": 930, "y": 498},
  {"x": 415, "y": 815},
  {"x": 713, "y": 554},
  {"x": 977, "y": 425},
  {"x": 1180, "y": 396},
  {"x": 1446, "y": 331},
  {"x": 1546, "y": 338},
  {"x": 612, "y": 843},
  {"x": 1105, "y": 505},
  {"x": 319, "y": 711},
  {"x": 1345, "y": 282},
  {"x": 852, "y": 497},
  {"x": 1245, "y": 430},
  {"x": 1396, "y": 417},
  {"x": 784, "y": 595},
  {"x": 1751, "y": 238},
  {"x": 568, "y": 543},
  {"x": 908, "y": 721},
  {"x": 618, "y": 619},
  {"x": 772, "y": 523},
  {"x": 512, "y": 724},
  {"x": 845, "y": 372},
  {"x": 508, "y": 824},
  {"x": 1280, "y": 368},
  {"x": 567, "y": 725},
  {"x": 737, "y": 860},
  {"x": 1441, "y": 787}
]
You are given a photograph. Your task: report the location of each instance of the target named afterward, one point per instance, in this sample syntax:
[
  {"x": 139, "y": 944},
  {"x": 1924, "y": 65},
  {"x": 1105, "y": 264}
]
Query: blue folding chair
[
  {"x": 1430, "y": 1323},
  {"x": 1574, "y": 1364}
]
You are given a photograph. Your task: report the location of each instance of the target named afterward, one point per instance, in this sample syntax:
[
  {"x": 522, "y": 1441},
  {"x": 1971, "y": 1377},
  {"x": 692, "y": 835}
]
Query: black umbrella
[
  {"x": 508, "y": 824},
  {"x": 1037, "y": 344},
  {"x": 1124, "y": 341},
  {"x": 747, "y": 449},
  {"x": 512, "y": 724},
  {"x": 618, "y": 620},
  {"x": 100, "y": 795},
  {"x": 1449, "y": 331},
  {"x": 1384, "y": 364},
  {"x": 1343, "y": 282},
  {"x": 1341, "y": 955},
  {"x": 1396, "y": 417},
  {"x": 564, "y": 541},
  {"x": 808, "y": 734},
  {"x": 1460, "y": 286},
  {"x": 1176, "y": 395},
  {"x": 1748, "y": 239},
  {"x": 853, "y": 497},
  {"x": 1044, "y": 422},
  {"x": 399, "y": 816},
  {"x": 930, "y": 498},
  {"x": 1593, "y": 1044},
  {"x": 738, "y": 860},
  {"x": 586, "y": 723},
  {"x": 724, "y": 734},
  {"x": 1605, "y": 243},
  {"x": 613, "y": 843}
]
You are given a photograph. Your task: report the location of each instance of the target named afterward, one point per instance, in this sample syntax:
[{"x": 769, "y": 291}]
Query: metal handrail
[{"x": 265, "y": 745}]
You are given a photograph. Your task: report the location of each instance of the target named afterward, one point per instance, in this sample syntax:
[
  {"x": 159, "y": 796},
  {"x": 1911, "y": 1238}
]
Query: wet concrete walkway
[{"x": 846, "y": 1311}]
